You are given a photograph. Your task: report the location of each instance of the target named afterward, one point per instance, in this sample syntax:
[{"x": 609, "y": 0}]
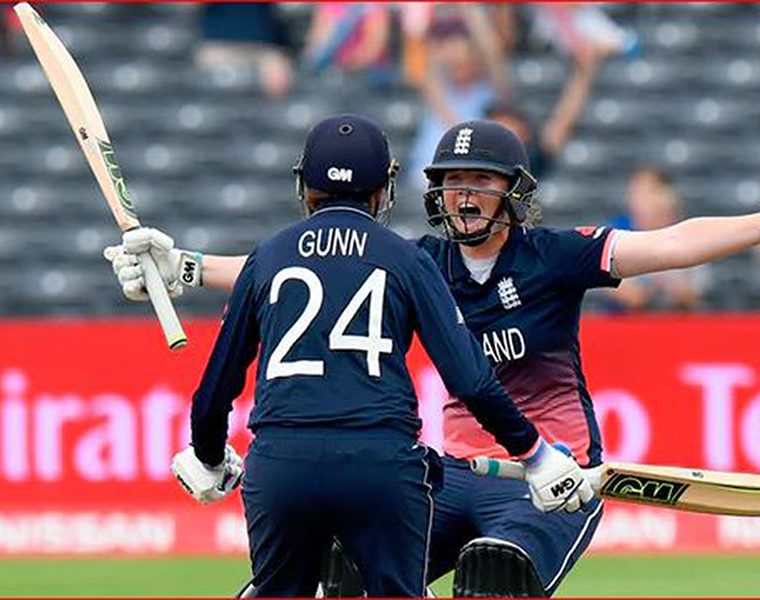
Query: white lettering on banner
[
  {"x": 632, "y": 420},
  {"x": 160, "y": 409},
  {"x": 739, "y": 533},
  {"x": 636, "y": 529},
  {"x": 718, "y": 382},
  {"x": 108, "y": 450},
  {"x": 231, "y": 533},
  {"x": 50, "y": 415},
  {"x": 54, "y": 532},
  {"x": 13, "y": 432},
  {"x": 750, "y": 432},
  {"x": 432, "y": 394},
  {"x": 238, "y": 419},
  {"x": 106, "y": 437}
]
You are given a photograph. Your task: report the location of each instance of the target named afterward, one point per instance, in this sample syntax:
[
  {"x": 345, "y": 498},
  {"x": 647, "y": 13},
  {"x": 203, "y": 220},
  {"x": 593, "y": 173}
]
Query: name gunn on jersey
[
  {"x": 332, "y": 242},
  {"x": 505, "y": 344}
]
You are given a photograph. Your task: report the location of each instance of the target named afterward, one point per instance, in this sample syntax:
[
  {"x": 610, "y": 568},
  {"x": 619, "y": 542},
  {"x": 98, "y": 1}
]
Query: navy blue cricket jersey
[
  {"x": 333, "y": 302},
  {"x": 526, "y": 319}
]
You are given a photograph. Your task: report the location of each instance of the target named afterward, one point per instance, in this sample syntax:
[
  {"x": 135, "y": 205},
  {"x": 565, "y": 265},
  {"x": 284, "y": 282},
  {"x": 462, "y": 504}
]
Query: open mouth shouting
[{"x": 468, "y": 214}]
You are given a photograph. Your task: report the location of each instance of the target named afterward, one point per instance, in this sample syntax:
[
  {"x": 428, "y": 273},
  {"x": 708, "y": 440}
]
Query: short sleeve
[{"x": 580, "y": 258}]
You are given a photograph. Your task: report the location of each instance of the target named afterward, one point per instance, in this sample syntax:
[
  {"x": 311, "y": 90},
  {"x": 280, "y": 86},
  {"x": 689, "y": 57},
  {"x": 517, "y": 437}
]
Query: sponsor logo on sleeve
[{"x": 592, "y": 232}]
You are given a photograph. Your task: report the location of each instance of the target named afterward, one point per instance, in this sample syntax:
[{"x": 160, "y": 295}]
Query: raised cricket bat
[
  {"x": 83, "y": 115},
  {"x": 692, "y": 490}
]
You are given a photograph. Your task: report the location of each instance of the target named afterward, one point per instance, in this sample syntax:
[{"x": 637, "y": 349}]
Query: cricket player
[
  {"x": 329, "y": 306},
  {"x": 520, "y": 290}
]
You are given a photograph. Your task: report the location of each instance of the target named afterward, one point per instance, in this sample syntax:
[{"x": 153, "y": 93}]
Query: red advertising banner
[
  {"x": 91, "y": 413},
  {"x": 677, "y": 390}
]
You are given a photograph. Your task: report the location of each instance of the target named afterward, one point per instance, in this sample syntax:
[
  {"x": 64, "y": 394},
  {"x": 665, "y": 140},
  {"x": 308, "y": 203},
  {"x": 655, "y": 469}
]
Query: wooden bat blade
[
  {"x": 684, "y": 489},
  {"x": 83, "y": 115}
]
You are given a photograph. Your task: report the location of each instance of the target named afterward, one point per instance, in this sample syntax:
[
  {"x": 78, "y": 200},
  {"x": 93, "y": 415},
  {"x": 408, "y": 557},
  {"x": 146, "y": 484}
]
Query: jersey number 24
[{"x": 373, "y": 343}]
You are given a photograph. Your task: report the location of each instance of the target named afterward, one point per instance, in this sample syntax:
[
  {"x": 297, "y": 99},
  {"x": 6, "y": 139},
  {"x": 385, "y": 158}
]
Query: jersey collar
[
  {"x": 504, "y": 264},
  {"x": 344, "y": 205}
]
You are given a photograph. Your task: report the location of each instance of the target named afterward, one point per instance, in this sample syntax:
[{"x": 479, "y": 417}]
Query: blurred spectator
[
  {"x": 491, "y": 27},
  {"x": 545, "y": 145},
  {"x": 250, "y": 34},
  {"x": 573, "y": 28},
  {"x": 464, "y": 71},
  {"x": 416, "y": 18},
  {"x": 352, "y": 36},
  {"x": 653, "y": 204},
  {"x": 502, "y": 18}
]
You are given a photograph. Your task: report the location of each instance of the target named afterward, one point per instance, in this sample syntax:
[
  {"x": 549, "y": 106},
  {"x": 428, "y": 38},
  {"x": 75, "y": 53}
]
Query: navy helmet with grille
[{"x": 483, "y": 146}]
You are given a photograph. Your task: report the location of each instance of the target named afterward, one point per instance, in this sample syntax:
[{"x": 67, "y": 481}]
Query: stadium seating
[{"x": 209, "y": 158}]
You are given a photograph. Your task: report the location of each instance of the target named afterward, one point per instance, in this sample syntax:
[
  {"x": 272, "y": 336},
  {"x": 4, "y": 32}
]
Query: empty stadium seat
[
  {"x": 535, "y": 73},
  {"x": 739, "y": 74}
]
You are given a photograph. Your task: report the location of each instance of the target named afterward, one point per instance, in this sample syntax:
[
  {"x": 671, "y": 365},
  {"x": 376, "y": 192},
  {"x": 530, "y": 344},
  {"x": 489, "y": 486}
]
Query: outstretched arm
[
  {"x": 179, "y": 268},
  {"x": 221, "y": 272},
  {"x": 685, "y": 244}
]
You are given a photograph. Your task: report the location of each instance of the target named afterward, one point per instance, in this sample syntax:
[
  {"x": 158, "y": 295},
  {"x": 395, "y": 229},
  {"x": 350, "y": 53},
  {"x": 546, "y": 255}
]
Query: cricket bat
[
  {"x": 692, "y": 490},
  {"x": 83, "y": 115}
]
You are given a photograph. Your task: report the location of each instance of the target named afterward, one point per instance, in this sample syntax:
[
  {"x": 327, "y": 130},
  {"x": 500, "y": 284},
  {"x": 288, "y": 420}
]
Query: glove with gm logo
[
  {"x": 178, "y": 268},
  {"x": 208, "y": 484},
  {"x": 555, "y": 480}
]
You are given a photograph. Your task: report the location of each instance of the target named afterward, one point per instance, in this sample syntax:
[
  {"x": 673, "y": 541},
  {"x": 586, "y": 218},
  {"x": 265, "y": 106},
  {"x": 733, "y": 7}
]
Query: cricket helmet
[
  {"x": 347, "y": 156},
  {"x": 479, "y": 146}
]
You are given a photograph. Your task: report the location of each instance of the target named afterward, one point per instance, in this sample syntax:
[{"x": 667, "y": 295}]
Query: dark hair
[
  {"x": 656, "y": 172},
  {"x": 315, "y": 198},
  {"x": 447, "y": 27}
]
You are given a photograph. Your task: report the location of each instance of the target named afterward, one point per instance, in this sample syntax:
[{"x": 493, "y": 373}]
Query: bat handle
[
  {"x": 162, "y": 304},
  {"x": 506, "y": 469},
  {"x": 510, "y": 469}
]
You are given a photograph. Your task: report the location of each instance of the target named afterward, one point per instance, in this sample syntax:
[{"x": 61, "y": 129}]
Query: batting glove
[
  {"x": 555, "y": 480},
  {"x": 178, "y": 268},
  {"x": 208, "y": 484}
]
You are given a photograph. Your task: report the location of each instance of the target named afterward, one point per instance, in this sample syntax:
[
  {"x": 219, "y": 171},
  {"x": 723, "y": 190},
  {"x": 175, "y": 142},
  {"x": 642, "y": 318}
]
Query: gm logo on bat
[{"x": 643, "y": 488}]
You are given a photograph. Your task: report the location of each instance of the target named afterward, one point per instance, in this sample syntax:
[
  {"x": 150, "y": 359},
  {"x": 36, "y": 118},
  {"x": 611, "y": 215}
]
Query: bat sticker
[
  {"x": 106, "y": 150},
  {"x": 635, "y": 487}
]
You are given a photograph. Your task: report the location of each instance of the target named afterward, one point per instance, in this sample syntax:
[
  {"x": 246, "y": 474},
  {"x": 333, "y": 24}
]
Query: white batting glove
[
  {"x": 178, "y": 268},
  {"x": 555, "y": 480},
  {"x": 207, "y": 484}
]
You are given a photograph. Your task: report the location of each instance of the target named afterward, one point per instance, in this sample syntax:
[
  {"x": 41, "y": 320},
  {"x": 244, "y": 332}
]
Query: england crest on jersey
[{"x": 508, "y": 294}]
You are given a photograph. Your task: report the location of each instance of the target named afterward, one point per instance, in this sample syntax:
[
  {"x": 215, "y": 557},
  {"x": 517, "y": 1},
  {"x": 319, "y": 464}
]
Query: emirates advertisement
[{"x": 91, "y": 413}]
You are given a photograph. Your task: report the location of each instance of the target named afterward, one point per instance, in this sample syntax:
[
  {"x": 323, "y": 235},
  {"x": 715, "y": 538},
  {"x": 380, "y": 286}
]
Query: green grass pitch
[{"x": 726, "y": 575}]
